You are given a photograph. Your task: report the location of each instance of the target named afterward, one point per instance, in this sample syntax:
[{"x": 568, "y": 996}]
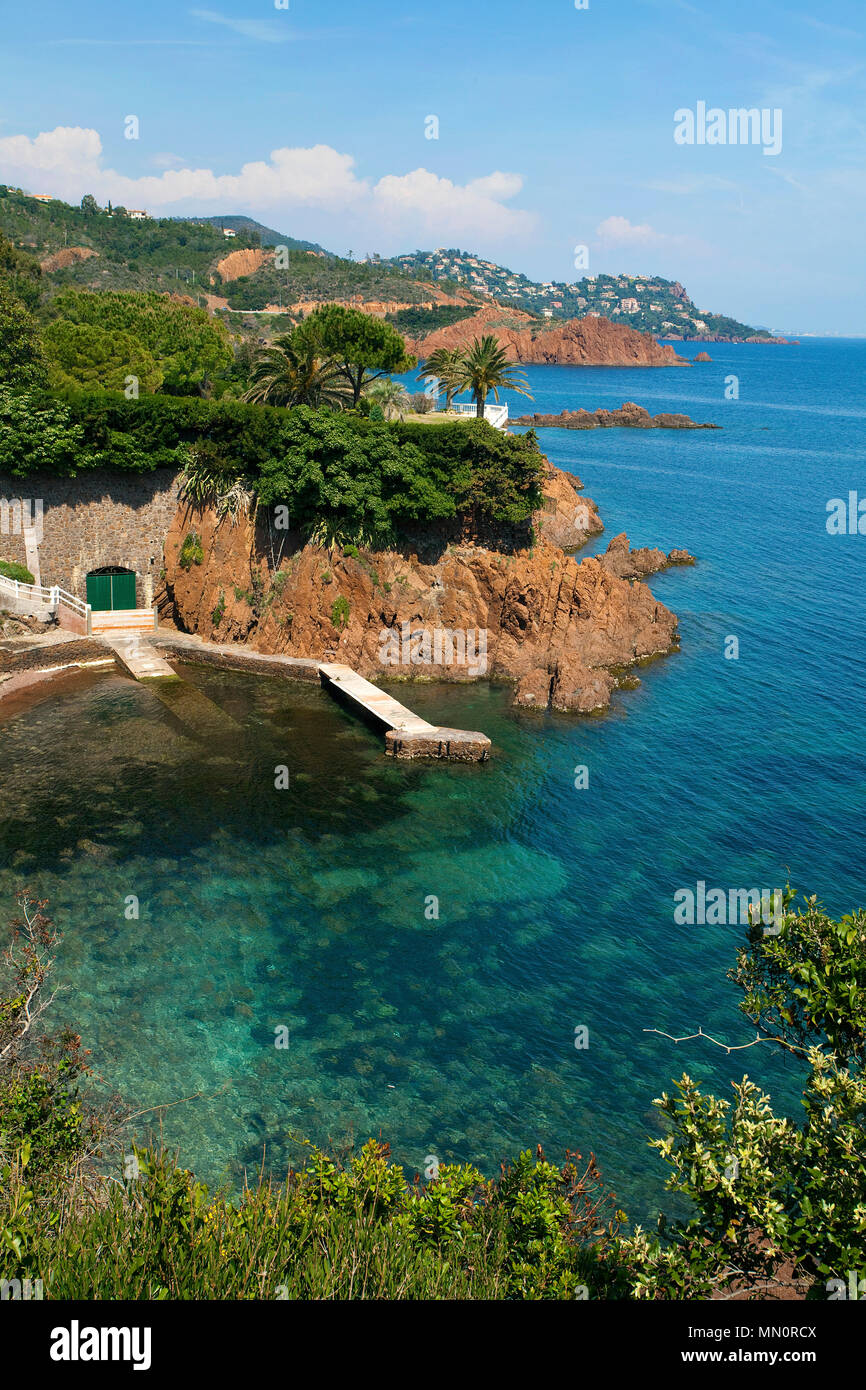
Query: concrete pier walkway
[
  {"x": 372, "y": 700},
  {"x": 142, "y": 655},
  {"x": 407, "y": 736}
]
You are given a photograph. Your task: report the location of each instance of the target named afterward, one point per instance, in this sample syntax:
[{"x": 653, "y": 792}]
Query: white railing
[
  {"x": 51, "y": 597},
  {"x": 495, "y": 415}
]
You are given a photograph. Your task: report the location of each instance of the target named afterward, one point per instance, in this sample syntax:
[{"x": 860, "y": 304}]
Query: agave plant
[
  {"x": 293, "y": 372},
  {"x": 204, "y": 475},
  {"x": 330, "y": 534},
  {"x": 236, "y": 502},
  {"x": 208, "y": 480}
]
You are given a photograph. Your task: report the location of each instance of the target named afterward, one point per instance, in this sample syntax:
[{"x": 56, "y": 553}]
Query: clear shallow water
[{"x": 305, "y": 907}]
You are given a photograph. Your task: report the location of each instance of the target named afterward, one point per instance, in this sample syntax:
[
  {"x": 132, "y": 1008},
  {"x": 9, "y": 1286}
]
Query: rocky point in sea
[
  {"x": 562, "y": 630},
  {"x": 629, "y": 416}
]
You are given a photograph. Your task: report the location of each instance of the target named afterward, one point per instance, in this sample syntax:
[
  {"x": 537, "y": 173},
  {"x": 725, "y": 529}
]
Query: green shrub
[
  {"x": 768, "y": 1192},
  {"x": 11, "y": 570},
  {"x": 191, "y": 552},
  {"x": 416, "y": 323},
  {"x": 340, "y": 612}
]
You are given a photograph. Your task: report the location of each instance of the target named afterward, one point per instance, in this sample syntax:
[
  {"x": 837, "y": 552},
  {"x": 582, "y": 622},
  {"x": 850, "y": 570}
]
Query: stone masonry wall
[{"x": 96, "y": 519}]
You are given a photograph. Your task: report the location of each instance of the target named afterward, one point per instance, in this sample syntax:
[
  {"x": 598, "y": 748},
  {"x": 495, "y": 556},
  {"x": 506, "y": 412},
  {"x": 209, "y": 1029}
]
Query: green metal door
[
  {"x": 122, "y": 590},
  {"x": 107, "y": 591},
  {"x": 99, "y": 591}
]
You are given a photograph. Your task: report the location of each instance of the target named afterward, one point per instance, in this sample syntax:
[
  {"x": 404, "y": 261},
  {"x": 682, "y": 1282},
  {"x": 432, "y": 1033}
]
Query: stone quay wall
[{"x": 88, "y": 522}]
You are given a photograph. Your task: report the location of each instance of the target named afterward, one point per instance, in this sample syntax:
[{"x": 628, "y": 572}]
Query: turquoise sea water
[{"x": 305, "y": 908}]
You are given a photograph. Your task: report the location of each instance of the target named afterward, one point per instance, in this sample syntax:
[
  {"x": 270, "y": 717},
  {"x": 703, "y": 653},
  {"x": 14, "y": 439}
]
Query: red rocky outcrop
[{"x": 562, "y": 631}]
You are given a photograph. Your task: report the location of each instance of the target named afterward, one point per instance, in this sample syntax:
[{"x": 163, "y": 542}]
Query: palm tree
[
  {"x": 391, "y": 395},
  {"x": 486, "y": 368},
  {"x": 447, "y": 365},
  {"x": 291, "y": 372}
]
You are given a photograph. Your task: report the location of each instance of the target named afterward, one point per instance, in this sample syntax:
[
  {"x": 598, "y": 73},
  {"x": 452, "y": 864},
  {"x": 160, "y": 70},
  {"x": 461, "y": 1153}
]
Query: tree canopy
[
  {"x": 363, "y": 347},
  {"x": 363, "y": 483},
  {"x": 21, "y": 273},
  {"x": 82, "y": 354},
  {"x": 188, "y": 346},
  {"x": 292, "y": 372},
  {"x": 21, "y": 362}
]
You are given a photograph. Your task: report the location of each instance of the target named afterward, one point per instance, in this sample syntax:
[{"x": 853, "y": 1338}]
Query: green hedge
[{"x": 421, "y": 473}]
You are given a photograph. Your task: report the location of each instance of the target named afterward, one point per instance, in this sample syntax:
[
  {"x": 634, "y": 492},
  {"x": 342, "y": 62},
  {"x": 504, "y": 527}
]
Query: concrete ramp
[
  {"x": 200, "y": 716},
  {"x": 138, "y": 658}
]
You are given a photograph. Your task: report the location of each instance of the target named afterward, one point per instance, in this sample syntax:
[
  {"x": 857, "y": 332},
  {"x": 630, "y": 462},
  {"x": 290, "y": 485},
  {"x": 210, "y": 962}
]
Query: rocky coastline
[
  {"x": 563, "y": 632},
  {"x": 629, "y": 416}
]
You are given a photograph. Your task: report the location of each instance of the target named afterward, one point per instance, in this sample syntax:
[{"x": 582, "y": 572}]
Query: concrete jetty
[
  {"x": 372, "y": 700},
  {"x": 407, "y": 735}
]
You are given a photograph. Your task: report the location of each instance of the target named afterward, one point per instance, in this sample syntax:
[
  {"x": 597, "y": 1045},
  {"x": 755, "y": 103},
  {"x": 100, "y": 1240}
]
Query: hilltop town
[{"x": 116, "y": 248}]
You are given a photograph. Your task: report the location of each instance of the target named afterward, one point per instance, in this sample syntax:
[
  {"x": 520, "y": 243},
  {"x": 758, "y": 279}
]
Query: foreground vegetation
[{"x": 772, "y": 1200}]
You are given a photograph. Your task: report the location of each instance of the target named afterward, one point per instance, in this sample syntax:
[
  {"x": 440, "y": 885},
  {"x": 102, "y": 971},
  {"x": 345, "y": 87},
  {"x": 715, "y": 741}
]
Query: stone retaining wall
[{"x": 90, "y": 521}]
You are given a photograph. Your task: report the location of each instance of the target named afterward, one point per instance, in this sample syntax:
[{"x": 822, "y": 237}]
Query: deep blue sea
[{"x": 304, "y": 909}]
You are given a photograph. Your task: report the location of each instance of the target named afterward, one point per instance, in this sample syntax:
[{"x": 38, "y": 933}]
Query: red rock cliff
[
  {"x": 560, "y": 630},
  {"x": 588, "y": 342}
]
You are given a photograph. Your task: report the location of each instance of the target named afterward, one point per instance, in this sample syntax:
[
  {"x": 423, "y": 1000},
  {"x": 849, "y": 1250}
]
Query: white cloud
[
  {"x": 618, "y": 231},
  {"x": 70, "y": 147},
  {"x": 68, "y": 163},
  {"x": 165, "y": 160},
  {"x": 497, "y": 185},
  {"x": 264, "y": 30},
  {"x": 472, "y": 209}
]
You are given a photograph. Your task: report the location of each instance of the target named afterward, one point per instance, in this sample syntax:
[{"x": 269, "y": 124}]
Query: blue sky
[{"x": 556, "y": 129}]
